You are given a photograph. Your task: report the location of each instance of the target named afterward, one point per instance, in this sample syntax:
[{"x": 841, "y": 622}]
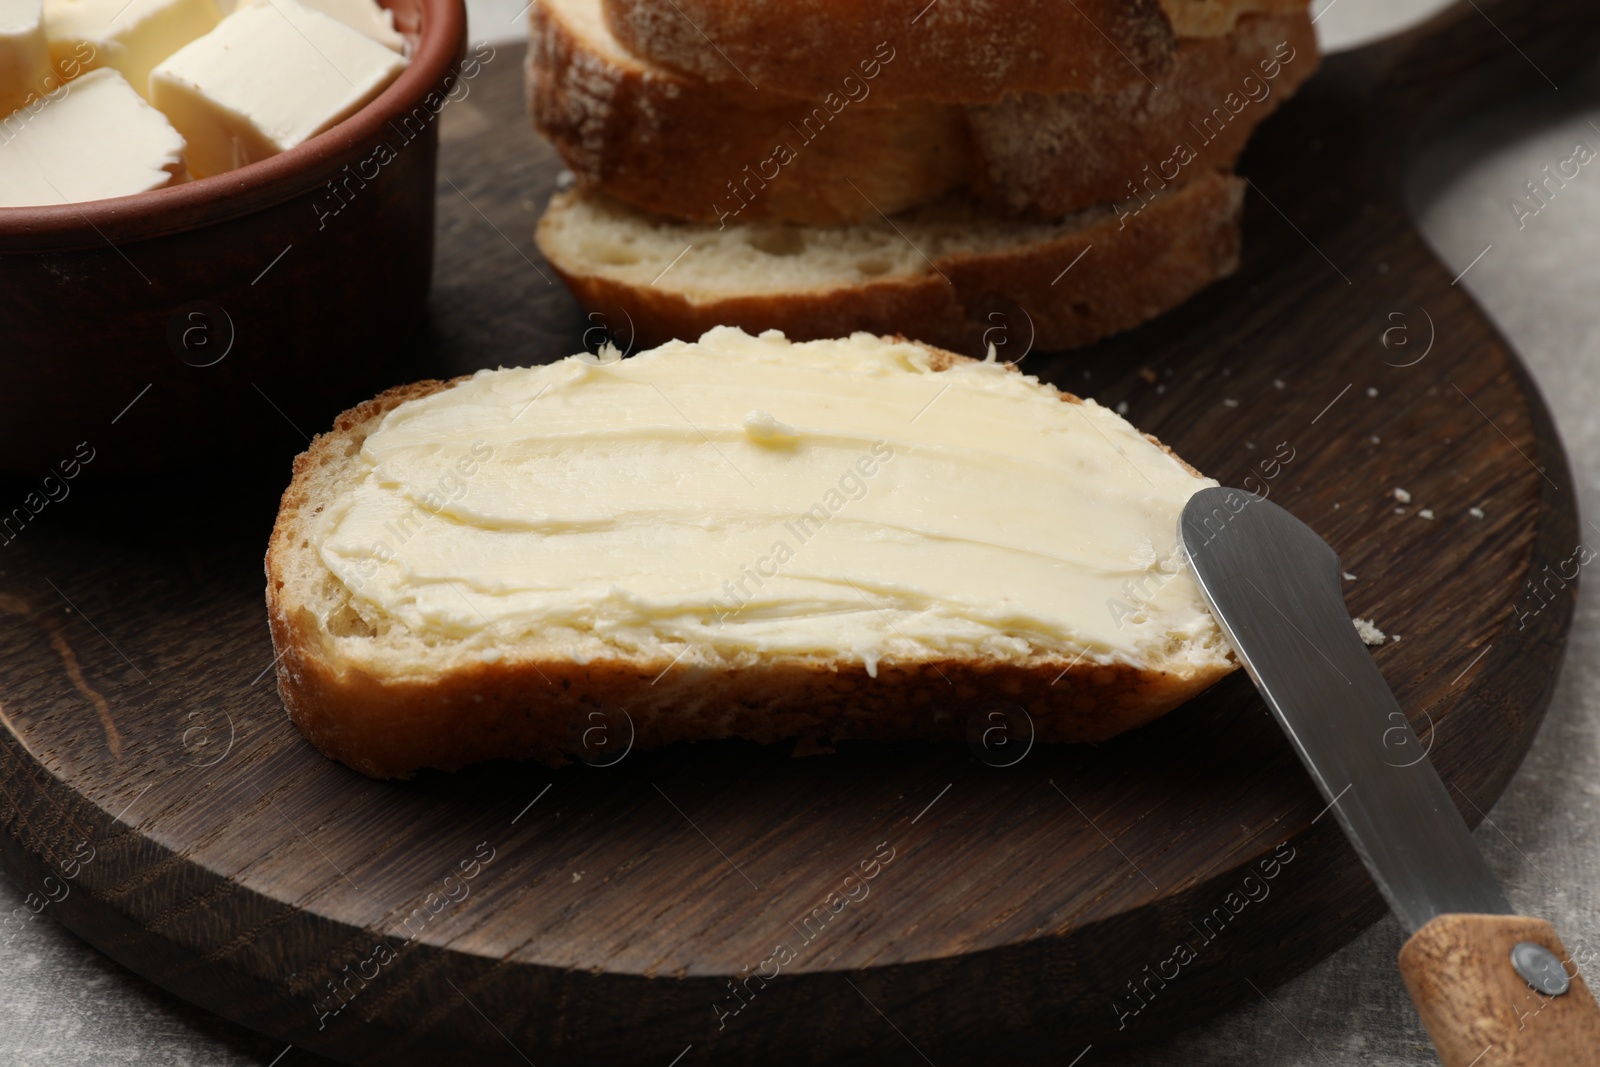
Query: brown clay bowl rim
[{"x": 203, "y": 202}]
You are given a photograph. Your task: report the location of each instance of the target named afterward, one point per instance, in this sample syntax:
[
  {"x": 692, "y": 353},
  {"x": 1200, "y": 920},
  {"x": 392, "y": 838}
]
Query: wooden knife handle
[{"x": 1481, "y": 1012}]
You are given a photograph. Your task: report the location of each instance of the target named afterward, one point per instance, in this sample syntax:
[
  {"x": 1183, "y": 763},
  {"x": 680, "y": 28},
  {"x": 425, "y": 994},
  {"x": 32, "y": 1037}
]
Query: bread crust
[
  {"x": 387, "y": 726},
  {"x": 1134, "y": 267},
  {"x": 953, "y": 51},
  {"x": 1051, "y": 155},
  {"x": 1213, "y": 18},
  {"x": 710, "y": 151}
]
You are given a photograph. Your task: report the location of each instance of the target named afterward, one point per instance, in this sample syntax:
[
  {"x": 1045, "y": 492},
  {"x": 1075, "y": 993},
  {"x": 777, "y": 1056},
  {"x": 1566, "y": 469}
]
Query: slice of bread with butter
[{"x": 740, "y": 537}]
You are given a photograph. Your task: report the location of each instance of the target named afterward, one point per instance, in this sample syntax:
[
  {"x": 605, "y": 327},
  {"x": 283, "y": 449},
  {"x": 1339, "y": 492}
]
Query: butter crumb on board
[{"x": 1369, "y": 632}]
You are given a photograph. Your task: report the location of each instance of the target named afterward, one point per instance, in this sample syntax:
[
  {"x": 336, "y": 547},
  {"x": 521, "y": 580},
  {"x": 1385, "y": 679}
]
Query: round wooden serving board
[{"x": 159, "y": 803}]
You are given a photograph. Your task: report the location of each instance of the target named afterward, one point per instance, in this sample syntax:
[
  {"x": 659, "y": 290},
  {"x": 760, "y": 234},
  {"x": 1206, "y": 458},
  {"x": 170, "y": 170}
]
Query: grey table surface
[{"x": 62, "y": 1002}]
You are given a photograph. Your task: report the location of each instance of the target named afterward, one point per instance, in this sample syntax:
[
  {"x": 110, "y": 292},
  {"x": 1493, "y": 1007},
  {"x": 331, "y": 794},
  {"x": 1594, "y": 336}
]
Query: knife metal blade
[{"x": 1276, "y": 588}]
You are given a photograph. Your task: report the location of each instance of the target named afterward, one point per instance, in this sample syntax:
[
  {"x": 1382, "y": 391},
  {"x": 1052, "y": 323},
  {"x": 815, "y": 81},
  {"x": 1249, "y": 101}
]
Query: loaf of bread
[
  {"x": 718, "y": 152},
  {"x": 740, "y": 537},
  {"x": 957, "y": 274}
]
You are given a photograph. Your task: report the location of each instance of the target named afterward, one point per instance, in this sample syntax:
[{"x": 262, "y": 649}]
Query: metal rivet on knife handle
[{"x": 1540, "y": 968}]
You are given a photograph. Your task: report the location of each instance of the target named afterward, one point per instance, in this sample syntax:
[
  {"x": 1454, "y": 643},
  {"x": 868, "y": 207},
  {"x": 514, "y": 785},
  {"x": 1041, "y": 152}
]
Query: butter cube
[
  {"x": 270, "y": 76},
  {"x": 92, "y": 139},
  {"x": 130, "y": 36},
  {"x": 24, "y": 55},
  {"x": 364, "y": 16}
]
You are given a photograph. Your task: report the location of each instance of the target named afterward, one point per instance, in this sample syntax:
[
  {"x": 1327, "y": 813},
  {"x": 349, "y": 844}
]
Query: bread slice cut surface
[{"x": 952, "y": 272}]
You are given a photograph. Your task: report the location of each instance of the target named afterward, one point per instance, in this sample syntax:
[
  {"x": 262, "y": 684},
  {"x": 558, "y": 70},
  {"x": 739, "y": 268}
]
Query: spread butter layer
[{"x": 752, "y": 495}]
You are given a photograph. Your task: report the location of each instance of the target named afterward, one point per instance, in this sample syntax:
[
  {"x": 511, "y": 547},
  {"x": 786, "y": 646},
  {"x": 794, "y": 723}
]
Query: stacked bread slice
[{"x": 932, "y": 169}]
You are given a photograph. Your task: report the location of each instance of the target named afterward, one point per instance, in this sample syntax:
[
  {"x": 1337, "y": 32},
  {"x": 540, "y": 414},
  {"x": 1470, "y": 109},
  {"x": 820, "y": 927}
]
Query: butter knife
[{"x": 1494, "y": 989}]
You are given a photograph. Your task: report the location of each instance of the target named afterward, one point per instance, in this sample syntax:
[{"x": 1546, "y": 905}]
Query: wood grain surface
[
  {"x": 1480, "y": 1012},
  {"x": 158, "y": 802}
]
